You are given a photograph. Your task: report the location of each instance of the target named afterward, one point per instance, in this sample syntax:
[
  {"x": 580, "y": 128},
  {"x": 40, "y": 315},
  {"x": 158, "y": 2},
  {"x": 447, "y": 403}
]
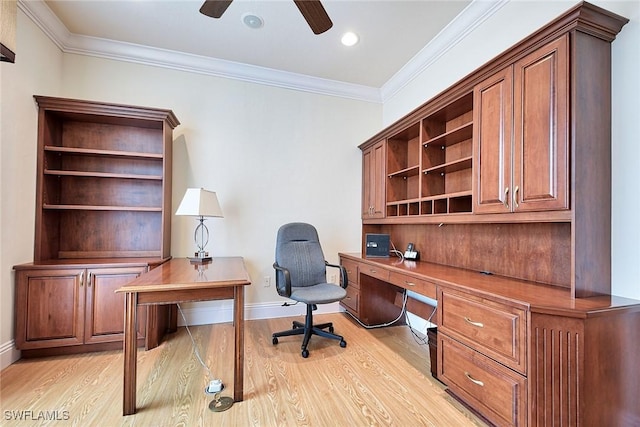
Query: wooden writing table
[{"x": 176, "y": 281}]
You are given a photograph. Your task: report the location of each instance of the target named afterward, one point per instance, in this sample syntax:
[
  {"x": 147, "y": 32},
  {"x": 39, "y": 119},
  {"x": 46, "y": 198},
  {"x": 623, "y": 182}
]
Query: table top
[{"x": 181, "y": 274}]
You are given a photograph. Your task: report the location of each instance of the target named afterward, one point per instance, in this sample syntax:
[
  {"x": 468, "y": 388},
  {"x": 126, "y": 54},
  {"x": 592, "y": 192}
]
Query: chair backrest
[{"x": 298, "y": 250}]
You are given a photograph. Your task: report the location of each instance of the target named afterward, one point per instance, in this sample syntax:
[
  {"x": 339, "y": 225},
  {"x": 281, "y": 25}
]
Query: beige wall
[
  {"x": 37, "y": 69},
  {"x": 275, "y": 155}
]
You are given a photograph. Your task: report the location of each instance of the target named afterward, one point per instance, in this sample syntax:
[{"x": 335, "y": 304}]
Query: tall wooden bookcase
[{"x": 103, "y": 216}]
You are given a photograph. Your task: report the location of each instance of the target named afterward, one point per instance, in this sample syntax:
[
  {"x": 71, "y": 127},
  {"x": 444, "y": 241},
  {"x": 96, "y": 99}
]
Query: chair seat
[{"x": 322, "y": 293}]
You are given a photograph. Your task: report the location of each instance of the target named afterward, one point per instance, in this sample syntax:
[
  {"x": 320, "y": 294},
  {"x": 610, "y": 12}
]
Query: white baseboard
[
  {"x": 8, "y": 354},
  {"x": 222, "y": 311}
]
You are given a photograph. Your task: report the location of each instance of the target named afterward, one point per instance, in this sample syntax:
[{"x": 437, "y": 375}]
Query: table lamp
[{"x": 200, "y": 203}]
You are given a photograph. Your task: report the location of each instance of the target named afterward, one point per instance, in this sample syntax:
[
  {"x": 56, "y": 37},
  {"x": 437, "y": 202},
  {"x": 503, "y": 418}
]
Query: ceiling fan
[{"x": 312, "y": 10}]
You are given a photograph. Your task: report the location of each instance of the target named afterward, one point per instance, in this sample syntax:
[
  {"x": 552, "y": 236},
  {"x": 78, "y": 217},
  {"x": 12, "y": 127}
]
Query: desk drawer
[
  {"x": 414, "y": 284},
  {"x": 353, "y": 273},
  {"x": 494, "y": 329},
  {"x": 495, "y": 391},
  {"x": 374, "y": 271},
  {"x": 352, "y": 300}
]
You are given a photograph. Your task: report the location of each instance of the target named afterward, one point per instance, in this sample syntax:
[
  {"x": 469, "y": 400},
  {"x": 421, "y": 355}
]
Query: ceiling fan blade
[
  {"x": 214, "y": 8},
  {"x": 316, "y": 16}
]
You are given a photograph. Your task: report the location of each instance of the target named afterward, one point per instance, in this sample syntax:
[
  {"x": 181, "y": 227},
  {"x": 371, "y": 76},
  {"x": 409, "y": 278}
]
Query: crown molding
[
  {"x": 460, "y": 27},
  {"x": 472, "y": 16}
]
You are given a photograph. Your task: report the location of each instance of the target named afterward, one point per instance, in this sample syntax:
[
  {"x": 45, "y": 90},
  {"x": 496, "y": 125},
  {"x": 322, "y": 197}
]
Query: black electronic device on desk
[
  {"x": 411, "y": 254},
  {"x": 377, "y": 245}
]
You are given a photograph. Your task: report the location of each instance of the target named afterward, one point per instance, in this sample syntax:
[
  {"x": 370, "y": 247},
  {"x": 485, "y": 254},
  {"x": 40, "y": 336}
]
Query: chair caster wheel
[
  {"x": 331, "y": 329},
  {"x": 305, "y": 353},
  {"x": 343, "y": 343},
  {"x": 274, "y": 340}
]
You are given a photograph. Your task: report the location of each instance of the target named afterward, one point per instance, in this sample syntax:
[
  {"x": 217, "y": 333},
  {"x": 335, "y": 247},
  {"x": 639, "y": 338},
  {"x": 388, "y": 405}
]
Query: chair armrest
[
  {"x": 344, "y": 279},
  {"x": 284, "y": 289}
]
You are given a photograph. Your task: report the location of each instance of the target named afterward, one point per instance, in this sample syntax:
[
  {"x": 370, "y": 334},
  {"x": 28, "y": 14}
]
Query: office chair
[{"x": 301, "y": 276}]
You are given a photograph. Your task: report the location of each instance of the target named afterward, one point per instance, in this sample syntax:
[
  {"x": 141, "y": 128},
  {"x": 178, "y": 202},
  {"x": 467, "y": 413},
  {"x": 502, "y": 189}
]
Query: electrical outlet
[{"x": 267, "y": 281}]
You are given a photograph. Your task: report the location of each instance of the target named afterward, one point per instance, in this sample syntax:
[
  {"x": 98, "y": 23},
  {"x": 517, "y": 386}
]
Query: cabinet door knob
[
  {"x": 471, "y": 322},
  {"x": 473, "y": 380}
]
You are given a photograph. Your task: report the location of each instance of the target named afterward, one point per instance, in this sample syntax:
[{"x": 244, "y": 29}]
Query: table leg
[
  {"x": 130, "y": 353},
  {"x": 238, "y": 320}
]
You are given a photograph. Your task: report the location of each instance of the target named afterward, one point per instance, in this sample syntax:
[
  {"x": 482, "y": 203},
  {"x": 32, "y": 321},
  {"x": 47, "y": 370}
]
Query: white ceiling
[{"x": 396, "y": 36}]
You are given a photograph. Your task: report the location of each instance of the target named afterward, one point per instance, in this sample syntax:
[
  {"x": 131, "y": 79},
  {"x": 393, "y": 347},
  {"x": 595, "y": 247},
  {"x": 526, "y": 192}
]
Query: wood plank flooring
[{"x": 381, "y": 378}]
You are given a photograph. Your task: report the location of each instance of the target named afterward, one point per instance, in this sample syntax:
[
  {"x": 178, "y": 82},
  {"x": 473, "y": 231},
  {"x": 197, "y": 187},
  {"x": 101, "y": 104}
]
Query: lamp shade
[
  {"x": 8, "y": 15},
  {"x": 199, "y": 202}
]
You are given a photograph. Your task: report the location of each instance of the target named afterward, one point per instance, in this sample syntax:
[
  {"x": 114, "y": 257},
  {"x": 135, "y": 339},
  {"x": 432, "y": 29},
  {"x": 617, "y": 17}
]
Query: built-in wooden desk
[
  {"x": 179, "y": 281},
  {"x": 519, "y": 352}
]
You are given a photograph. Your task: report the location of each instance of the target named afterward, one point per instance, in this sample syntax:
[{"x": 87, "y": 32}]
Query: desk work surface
[
  {"x": 536, "y": 296},
  {"x": 180, "y": 274}
]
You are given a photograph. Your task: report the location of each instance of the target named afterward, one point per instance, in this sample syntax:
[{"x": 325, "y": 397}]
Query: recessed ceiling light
[
  {"x": 349, "y": 38},
  {"x": 252, "y": 20}
]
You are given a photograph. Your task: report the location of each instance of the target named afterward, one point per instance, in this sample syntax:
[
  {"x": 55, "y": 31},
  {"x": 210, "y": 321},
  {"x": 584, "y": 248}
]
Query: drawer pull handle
[
  {"x": 409, "y": 283},
  {"x": 373, "y": 271},
  {"x": 473, "y": 380},
  {"x": 478, "y": 324}
]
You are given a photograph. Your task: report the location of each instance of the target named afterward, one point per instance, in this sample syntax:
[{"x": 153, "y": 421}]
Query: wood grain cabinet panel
[
  {"x": 499, "y": 393},
  {"x": 495, "y": 329},
  {"x": 493, "y": 140},
  {"x": 373, "y": 177},
  {"x": 61, "y": 307},
  {"x": 540, "y": 108},
  {"x": 352, "y": 300},
  {"x": 521, "y": 134},
  {"x": 412, "y": 283},
  {"x": 49, "y": 308},
  {"x": 105, "y": 308}
]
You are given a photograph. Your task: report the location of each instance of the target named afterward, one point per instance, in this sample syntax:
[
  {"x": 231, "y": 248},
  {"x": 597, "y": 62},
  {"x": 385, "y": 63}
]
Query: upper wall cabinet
[
  {"x": 527, "y": 134},
  {"x": 103, "y": 180},
  {"x": 521, "y": 134}
]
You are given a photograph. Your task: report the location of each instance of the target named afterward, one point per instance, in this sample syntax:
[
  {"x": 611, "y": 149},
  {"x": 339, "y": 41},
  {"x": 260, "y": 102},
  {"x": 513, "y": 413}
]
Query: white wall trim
[
  {"x": 472, "y": 16},
  {"x": 8, "y": 354}
]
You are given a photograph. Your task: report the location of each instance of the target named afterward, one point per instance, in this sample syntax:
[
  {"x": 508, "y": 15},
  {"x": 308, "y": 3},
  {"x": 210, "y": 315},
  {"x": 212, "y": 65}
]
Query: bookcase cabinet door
[
  {"x": 105, "y": 308},
  {"x": 49, "y": 308}
]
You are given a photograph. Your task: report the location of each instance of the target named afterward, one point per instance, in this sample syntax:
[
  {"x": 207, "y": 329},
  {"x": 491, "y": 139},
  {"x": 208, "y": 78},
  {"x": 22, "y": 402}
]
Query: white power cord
[
  {"x": 382, "y": 325},
  {"x": 215, "y": 385}
]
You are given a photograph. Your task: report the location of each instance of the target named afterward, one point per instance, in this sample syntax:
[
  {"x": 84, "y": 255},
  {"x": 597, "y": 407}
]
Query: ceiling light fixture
[
  {"x": 252, "y": 20},
  {"x": 349, "y": 38}
]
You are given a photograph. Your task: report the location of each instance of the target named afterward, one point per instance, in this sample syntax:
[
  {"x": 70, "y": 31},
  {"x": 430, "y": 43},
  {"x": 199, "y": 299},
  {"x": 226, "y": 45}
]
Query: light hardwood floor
[{"x": 382, "y": 378}]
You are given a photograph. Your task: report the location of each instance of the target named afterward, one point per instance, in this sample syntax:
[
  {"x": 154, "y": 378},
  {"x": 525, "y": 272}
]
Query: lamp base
[{"x": 198, "y": 260}]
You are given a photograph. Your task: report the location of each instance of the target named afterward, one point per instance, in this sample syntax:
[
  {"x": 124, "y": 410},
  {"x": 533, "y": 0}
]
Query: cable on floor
[
  {"x": 382, "y": 325},
  {"x": 193, "y": 342}
]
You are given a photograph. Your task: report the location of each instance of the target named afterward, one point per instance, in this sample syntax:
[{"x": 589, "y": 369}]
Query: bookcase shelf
[
  {"x": 104, "y": 180},
  {"x": 429, "y": 163}
]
